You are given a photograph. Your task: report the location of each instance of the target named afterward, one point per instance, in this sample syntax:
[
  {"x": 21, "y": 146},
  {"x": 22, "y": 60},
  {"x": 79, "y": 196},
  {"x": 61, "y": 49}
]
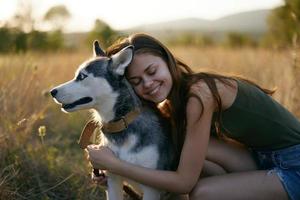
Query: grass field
[{"x": 47, "y": 163}]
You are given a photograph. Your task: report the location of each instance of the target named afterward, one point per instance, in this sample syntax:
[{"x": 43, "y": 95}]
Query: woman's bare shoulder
[{"x": 227, "y": 91}]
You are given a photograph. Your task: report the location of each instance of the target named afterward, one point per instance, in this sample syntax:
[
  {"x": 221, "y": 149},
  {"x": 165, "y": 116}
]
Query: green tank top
[{"x": 258, "y": 121}]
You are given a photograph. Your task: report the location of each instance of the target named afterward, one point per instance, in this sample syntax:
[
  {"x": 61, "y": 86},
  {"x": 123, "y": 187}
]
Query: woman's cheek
[{"x": 138, "y": 91}]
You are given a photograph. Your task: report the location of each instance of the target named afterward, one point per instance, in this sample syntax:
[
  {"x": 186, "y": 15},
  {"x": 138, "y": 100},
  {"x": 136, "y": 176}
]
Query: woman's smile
[{"x": 154, "y": 90}]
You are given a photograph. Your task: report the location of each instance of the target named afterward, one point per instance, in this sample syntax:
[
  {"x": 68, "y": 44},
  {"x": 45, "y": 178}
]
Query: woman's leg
[
  {"x": 241, "y": 185},
  {"x": 211, "y": 169},
  {"x": 230, "y": 156},
  {"x": 234, "y": 175}
]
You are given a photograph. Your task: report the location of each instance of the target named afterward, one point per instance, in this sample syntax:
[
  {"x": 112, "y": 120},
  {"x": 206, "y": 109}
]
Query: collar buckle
[{"x": 124, "y": 122}]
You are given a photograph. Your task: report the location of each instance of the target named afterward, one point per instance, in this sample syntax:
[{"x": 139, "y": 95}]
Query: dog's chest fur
[{"x": 146, "y": 156}]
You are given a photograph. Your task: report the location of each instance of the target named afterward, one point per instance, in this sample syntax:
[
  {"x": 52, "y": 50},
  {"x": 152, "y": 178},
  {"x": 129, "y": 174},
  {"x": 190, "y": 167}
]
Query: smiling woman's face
[{"x": 150, "y": 77}]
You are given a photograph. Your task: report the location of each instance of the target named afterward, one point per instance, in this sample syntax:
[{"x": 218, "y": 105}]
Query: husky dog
[{"x": 100, "y": 85}]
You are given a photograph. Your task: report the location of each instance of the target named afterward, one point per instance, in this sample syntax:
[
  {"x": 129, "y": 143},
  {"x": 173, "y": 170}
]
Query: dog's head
[{"x": 94, "y": 82}]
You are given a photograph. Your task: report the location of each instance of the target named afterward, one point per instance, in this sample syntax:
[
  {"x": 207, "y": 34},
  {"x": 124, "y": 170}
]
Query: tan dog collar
[
  {"x": 122, "y": 124},
  {"x": 112, "y": 127}
]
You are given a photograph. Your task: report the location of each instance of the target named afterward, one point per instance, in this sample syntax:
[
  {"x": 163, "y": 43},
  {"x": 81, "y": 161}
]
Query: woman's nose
[{"x": 147, "y": 82}]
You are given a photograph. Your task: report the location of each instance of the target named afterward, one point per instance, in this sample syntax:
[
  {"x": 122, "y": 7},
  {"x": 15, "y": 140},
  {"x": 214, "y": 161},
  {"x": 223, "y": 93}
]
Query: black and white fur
[{"x": 99, "y": 84}]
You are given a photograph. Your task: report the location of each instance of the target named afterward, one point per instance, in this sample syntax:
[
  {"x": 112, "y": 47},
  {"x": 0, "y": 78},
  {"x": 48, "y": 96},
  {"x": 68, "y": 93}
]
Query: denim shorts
[{"x": 286, "y": 164}]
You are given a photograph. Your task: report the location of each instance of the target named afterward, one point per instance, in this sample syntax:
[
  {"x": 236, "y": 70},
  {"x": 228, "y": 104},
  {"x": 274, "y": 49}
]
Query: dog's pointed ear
[
  {"x": 122, "y": 59},
  {"x": 97, "y": 49}
]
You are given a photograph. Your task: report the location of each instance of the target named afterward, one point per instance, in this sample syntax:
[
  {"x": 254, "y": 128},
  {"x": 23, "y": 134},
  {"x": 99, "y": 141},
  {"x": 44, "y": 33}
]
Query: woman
[{"x": 201, "y": 107}]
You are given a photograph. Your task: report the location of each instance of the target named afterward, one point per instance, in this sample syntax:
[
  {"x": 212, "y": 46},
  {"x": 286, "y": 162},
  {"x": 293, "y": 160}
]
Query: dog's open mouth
[{"x": 78, "y": 102}]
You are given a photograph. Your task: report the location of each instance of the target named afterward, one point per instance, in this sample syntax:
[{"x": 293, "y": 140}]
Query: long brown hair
[{"x": 183, "y": 77}]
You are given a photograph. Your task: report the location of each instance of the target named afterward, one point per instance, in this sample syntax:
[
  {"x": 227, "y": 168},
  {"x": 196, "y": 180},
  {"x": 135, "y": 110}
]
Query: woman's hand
[
  {"x": 101, "y": 180},
  {"x": 101, "y": 157}
]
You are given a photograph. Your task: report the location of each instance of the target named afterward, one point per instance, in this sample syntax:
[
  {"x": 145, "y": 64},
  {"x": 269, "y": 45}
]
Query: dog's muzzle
[{"x": 81, "y": 101}]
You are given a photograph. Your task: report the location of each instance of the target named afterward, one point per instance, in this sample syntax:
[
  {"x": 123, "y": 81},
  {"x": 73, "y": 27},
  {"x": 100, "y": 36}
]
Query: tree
[
  {"x": 6, "y": 39},
  {"x": 37, "y": 40},
  {"x": 23, "y": 18},
  {"x": 284, "y": 24},
  {"x": 237, "y": 40},
  {"x": 55, "y": 40},
  {"x": 102, "y": 32},
  {"x": 57, "y": 16},
  {"x": 191, "y": 39}
]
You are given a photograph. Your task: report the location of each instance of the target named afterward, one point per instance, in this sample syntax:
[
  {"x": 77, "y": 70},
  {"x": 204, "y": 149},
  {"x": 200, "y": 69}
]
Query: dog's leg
[
  {"x": 115, "y": 187},
  {"x": 150, "y": 193}
]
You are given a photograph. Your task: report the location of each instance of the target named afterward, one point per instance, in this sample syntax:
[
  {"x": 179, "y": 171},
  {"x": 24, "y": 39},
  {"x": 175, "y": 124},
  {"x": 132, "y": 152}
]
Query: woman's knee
[
  {"x": 201, "y": 191},
  {"x": 212, "y": 169},
  {"x": 229, "y": 155}
]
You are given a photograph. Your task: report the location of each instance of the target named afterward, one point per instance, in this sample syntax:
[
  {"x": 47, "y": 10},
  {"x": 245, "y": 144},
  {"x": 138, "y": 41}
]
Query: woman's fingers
[{"x": 101, "y": 179}]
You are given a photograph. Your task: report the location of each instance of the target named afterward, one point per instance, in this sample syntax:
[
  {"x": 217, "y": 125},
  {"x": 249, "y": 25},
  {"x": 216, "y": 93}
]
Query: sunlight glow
[{"x": 122, "y": 14}]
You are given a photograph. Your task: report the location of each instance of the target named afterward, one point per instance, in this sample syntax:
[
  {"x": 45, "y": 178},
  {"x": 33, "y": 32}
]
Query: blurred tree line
[
  {"x": 231, "y": 39},
  {"x": 15, "y": 40},
  {"x": 20, "y": 33},
  {"x": 283, "y": 31}
]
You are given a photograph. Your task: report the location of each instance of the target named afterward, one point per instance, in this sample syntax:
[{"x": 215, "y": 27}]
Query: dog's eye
[{"x": 81, "y": 76}]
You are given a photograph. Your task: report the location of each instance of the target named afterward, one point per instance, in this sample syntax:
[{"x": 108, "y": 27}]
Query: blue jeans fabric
[{"x": 286, "y": 163}]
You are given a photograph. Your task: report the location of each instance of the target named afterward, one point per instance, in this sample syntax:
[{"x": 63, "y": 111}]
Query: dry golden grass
[{"x": 25, "y": 80}]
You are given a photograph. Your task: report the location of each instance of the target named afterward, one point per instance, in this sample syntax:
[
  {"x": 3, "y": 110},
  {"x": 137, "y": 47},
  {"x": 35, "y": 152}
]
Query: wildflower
[{"x": 42, "y": 133}]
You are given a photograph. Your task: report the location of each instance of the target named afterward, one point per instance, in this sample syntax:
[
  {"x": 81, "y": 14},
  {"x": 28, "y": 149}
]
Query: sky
[{"x": 123, "y": 14}]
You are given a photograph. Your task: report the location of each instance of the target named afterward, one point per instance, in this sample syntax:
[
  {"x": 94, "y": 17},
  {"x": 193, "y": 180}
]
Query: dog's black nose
[{"x": 53, "y": 92}]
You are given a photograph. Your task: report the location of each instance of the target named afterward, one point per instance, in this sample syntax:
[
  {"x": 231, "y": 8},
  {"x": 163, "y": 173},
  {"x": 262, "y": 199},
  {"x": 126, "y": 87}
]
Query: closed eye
[
  {"x": 135, "y": 81},
  {"x": 151, "y": 71},
  {"x": 81, "y": 76}
]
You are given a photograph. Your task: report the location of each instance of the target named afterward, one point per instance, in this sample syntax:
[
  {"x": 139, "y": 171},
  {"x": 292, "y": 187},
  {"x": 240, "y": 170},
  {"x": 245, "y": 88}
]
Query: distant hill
[{"x": 251, "y": 22}]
